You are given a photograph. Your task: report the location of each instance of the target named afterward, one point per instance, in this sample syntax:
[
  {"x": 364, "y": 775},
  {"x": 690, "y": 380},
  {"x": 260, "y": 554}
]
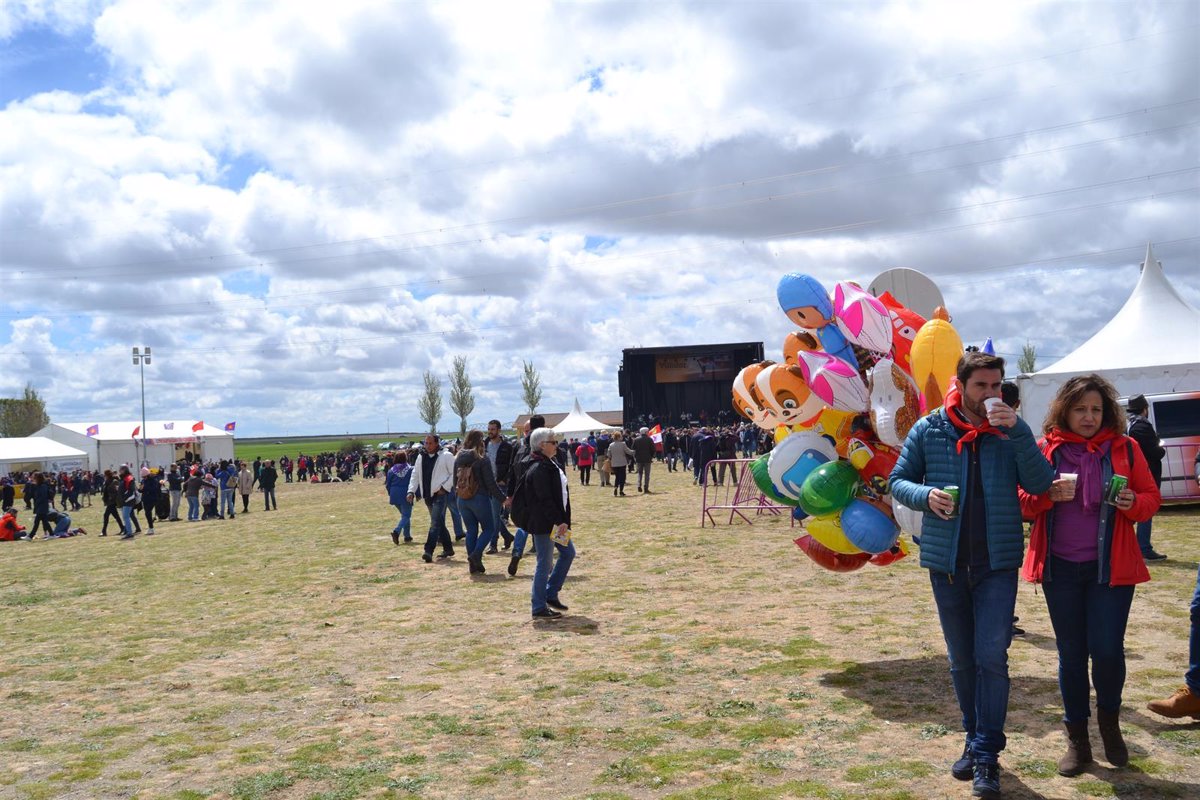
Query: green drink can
[
  {"x": 1116, "y": 485},
  {"x": 953, "y": 492}
]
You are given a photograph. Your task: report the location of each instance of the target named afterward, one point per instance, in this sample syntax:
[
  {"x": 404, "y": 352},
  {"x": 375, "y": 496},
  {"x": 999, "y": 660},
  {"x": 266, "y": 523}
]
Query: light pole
[{"x": 140, "y": 360}]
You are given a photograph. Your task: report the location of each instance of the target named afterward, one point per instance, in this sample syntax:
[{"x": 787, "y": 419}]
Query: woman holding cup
[{"x": 1083, "y": 550}]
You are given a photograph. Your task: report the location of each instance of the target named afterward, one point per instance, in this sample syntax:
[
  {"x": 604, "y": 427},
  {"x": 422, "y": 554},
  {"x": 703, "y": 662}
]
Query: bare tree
[
  {"x": 1028, "y": 360},
  {"x": 462, "y": 400},
  {"x": 531, "y": 387},
  {"x": 23, "y": 416},
  {"x": 430, "y": 403}
]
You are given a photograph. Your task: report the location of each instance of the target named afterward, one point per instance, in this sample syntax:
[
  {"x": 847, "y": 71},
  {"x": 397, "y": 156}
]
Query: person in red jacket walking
[
  {"x": 585, "y": 456},
  {"x": 1084, "y": 551}
]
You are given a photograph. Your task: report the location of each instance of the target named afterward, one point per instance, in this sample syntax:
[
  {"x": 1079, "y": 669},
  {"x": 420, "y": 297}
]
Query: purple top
[{"x": 1077, "y": 523}]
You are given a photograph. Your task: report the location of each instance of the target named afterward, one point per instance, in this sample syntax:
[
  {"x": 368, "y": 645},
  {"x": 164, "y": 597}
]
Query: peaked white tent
[
  {"x": 1151, "y": 346},
  {"x": 40, "y": 453},
  {"x": 114, "y": 443},
  {"x": 578, "y": 423}
]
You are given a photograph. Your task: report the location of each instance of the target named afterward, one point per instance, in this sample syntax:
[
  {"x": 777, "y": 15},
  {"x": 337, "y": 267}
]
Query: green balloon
[
  {"x": 758, "y": 469},
  {"x": 829, "y": 488}
]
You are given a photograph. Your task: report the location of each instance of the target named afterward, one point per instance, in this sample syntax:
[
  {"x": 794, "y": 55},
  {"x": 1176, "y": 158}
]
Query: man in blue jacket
[{"x": 973, "y": 548}]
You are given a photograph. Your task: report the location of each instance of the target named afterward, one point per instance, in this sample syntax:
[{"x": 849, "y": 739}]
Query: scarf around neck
[
  {"x": 1086, "y": 456},
  {"x": 971, "y": 432}
]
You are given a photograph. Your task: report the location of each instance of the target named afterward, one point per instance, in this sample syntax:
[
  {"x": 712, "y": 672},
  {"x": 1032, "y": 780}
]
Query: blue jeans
[
  {"x": 547, "y": 583},
  {"x": 1143, "y": 536},
  {"x": 269, "y": 500},
  {"x": 437, "y": 524},
  {"x": 455, "y": 516},
  {"x": 1089, "y": 621},
  {"x": 976, "y": 610},
  {"x": 480, "y": 521},
  {"x": 226, "y": 504},
  {"x": 1192, "y": 678},
  {"x": 193, "y": 508},
  {"x": 518, "y": 548},
  {"x": 127, "y": 518},
  {"x": 498, "y": 513},
  {"x": 404, "y": 526}
]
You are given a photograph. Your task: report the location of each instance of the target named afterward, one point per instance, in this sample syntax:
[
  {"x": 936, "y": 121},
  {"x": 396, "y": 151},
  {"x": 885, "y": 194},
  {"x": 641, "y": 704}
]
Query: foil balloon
[
  {"x": 898, "y": 551},
  {"x": 786, "y": 396},
  {"x": 828, "y": 489},
  {"x": 828, "y": 531},
  {"x": 874, "y": 462},
  {"x": 909, "y": 519},
  {"x": 862, "y": 318},
  {"x": 935, "y": 355},
  {"x": 905, "y": 324},
  {"x": 746, "y": 400},
  {"x": 762, "y": 479},
  {"x": 790, "y": 463},
  {"x": 895, "y": 403},
  {"x": 868, "y": 528},
  {"x": 822, "y": 556},
  {"x": 833, "y": 381},
  {"x": 807, "y": 304},
  {"x": 798, "y": 341},
  {"x": 838, "y": 426}
]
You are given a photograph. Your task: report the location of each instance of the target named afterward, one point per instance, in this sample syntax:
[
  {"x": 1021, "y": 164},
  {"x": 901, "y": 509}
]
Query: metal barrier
[
  {"x": 741, "y": 497},
  {"x": 1179, "y": 474}
]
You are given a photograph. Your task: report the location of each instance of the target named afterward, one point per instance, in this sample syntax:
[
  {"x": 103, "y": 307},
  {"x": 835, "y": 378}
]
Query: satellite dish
[{"x": 916, "y": 290}]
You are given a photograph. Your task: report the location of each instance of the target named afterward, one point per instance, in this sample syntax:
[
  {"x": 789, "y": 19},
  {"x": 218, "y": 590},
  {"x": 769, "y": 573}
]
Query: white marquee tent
[
  {"x": 1151, "y": 346},
  {"x": 113, "y": 443},
  {"x": 39, "y": 453},
  {"x": 578, "y": 423}
]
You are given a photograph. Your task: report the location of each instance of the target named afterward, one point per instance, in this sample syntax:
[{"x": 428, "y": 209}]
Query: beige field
[{"x": 299, "y": 654}]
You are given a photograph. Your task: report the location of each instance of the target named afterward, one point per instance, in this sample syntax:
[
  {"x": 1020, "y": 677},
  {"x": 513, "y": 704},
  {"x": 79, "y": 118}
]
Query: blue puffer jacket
[{"x": 930, "y": 460}]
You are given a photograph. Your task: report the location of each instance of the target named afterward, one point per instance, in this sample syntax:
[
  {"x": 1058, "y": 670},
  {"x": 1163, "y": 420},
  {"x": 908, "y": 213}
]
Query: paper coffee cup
[{"x": 991, "y": 403}]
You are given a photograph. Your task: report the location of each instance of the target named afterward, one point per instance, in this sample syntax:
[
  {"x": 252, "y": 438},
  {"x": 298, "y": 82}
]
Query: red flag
[
  {"x": 136, "y": 431},
  {"x": 656, "y": 434},
  {"x": 197, "y": 427}
]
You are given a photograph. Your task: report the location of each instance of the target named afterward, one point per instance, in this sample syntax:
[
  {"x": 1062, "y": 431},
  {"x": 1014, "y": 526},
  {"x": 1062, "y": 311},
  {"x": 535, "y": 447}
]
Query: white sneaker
[{"x": 150, "y": 532}]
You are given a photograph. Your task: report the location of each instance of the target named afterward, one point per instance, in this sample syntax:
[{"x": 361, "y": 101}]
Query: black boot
[{"x": 1110, "y": 733}]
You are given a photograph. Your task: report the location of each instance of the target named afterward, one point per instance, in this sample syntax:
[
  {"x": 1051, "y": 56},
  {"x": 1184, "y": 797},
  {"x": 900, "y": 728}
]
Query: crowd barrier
[{"x": 741, "y": 497}]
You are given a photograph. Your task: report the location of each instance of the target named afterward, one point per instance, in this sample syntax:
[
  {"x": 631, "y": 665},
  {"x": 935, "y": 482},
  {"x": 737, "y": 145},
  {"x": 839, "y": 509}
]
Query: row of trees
[
  {"x": 23, "y": 416},
  {"x": 462, "y": 396}
]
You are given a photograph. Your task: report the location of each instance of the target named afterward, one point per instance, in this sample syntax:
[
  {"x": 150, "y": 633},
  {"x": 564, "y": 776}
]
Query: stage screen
[
  {"x": 666, "y": 385},
  {"x": 703, "y": 367}
]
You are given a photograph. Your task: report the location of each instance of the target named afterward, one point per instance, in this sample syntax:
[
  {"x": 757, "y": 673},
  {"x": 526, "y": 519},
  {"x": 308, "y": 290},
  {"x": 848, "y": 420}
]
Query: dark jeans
[
  {"x": 1192, "y": 678},
  {"x": 269, "y": 503},
  {"x": 115, "y": 513},
  {"x": 438, "y": 533},
  {"x": 976, "y": 610},
  {"x": 619, "y": 479},
  {"x": 585, "y": 474},
  {"x": 732, "y": 473},
  {"x": 1089, "y": 621},
  {"x": 245, "y": 503}
]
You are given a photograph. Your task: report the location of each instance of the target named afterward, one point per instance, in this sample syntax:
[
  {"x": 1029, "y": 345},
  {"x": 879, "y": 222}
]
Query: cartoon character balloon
[
  {"x": 807, "y": 304},
  {"x": 895, "y": 404},
  {"x": 834, "y": 382},
  {"x": 862, "y": 318},
  {"x": 746, "y": 399},
  {"x": 790, "y": 463},
  {"x": 935, "y": 355},
  {"x": 786, "y": 396},
  {"x": 905, "y": 324}
]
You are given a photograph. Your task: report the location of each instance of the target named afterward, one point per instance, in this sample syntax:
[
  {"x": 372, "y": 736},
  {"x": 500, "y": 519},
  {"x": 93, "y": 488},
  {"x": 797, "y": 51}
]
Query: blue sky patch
[
  {"x": 40, "y": 60},
  {"x": 594, "y": 244}
]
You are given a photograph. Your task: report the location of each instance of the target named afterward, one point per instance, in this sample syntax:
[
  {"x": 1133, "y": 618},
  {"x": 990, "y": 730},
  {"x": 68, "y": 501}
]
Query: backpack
[
  {"x": 466, "y": 485},
  {"x": 232, "y": 481},
  {"x": 518, "y": 512}
]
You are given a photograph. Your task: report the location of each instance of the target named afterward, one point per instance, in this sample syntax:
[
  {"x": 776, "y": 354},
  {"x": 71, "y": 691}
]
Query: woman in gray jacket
[{"x": 619, "y": 455}]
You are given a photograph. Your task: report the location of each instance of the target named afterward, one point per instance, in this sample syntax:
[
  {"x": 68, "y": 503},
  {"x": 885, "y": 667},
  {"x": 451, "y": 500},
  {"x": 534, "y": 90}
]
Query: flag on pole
[
  {"x": 168, "y": 426},
  {"x": 197, "y": 427},
  {"x": 136, "y": 431},
  {"x": 229, "y": 426},
  {"x": 656, "y": 434},
  {"x": 93, "y": 430}
]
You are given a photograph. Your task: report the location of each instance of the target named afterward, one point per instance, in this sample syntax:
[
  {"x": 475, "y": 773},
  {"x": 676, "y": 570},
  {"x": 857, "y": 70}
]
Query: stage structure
[{"x": 674, "y": 385}]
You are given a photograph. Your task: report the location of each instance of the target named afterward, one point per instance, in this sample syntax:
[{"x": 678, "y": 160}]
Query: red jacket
[
  {"x": 1125, "y": 563},
  {"x": 9, "y": 529}
]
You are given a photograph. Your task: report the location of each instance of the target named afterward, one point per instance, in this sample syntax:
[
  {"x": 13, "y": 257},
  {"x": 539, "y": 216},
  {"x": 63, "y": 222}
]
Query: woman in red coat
[{"x": 1084, "y": 552}]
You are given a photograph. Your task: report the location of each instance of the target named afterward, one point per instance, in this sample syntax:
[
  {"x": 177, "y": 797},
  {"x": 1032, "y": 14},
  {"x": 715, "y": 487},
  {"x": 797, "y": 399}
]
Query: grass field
[
  {"x": 299, "y": 654},
  {"x": 291, "y": 447}
]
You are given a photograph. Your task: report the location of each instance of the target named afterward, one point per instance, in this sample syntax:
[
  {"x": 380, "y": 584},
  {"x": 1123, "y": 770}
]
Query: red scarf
[
  {"x": 957, "y": 419},
  {"x": 1057, "y": 436}
]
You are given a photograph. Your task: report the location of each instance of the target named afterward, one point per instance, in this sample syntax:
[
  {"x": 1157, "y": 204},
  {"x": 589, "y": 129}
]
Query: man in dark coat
[{"x": 1142, "y": 432}]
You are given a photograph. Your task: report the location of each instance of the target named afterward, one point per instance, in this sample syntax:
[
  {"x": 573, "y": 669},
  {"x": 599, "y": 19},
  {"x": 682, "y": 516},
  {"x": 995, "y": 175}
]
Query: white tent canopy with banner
[
  {"x": 578, "y": 424},
  {"x": 110, "y": 444},
  {"x": 38, "y": 453}
]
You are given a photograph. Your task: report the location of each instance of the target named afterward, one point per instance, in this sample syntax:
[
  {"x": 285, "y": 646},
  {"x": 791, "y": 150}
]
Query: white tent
[
  {"x": 1151, "y": 346},
  {"x": 578, "y": 424},
  {"x": 111, "y": 444},
  {"x": 39, "y": 453}
]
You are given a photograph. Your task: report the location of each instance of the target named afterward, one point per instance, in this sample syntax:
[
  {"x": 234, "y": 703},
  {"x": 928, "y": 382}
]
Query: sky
[{"x": 302, "y": 207}]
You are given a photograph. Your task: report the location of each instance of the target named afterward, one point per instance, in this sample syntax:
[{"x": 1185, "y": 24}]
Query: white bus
[{"x": 1176, "y": 417}]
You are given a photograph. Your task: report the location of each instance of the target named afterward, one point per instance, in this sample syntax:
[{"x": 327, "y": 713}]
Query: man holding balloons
[{"x": 961, "y": 466}]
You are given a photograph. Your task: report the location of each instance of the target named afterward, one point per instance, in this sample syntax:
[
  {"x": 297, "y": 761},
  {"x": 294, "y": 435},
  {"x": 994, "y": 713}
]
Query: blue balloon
[{"x": 868, "y": 528}]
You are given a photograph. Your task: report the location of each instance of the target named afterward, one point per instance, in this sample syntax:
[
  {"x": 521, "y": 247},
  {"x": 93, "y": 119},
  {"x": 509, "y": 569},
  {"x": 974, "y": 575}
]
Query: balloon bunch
[{"x": 854, "y": 380}]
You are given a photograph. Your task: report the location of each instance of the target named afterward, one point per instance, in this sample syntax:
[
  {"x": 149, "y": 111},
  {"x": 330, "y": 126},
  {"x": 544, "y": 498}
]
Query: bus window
[{"x": 1177, "y": 418}]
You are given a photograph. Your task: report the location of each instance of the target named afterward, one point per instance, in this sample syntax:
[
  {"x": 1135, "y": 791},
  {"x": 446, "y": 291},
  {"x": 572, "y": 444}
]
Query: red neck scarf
[
  {"x": 1057, "y": 436},
  {"x": 958, "y": 419}
]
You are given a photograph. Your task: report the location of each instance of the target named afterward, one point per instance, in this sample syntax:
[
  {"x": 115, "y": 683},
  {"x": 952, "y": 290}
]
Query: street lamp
[{"x": 140, "y": 360}]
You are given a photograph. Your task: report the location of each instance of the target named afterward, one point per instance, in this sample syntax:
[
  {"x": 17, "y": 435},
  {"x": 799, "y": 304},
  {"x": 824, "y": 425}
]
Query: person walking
[
  {"x": 110, "y": 495},
  {"x": 191, "y": 490},
  {"x": 432, "y": 481},
  {"x": 246, "y": 481},
  {"x": 1142, "y": 432},
  {"x": 476, "y": 489},
  {"x": 972, "y": 541},
  {"x": 500, "y": 453},
  {"x": 395, "y": 483},
  {"x": 1084, "y": 552},
  {"x": 151, "y": 490},
  {"x": 175, "y": 487},
  {"x": 268, "y": 477},
  {"x": 643, "y": 456},
  {"x": 129, "y": 501},
  {"x": 619, "y": 457},
  {"x": 585, "y": 456},
  {"x": 520, "y": 462},
  {"x": 548, "y": 512},
  {"x": 42, "y": 495}
]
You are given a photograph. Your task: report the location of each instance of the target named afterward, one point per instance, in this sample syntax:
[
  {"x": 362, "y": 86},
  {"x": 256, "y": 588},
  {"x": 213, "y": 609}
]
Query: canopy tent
[
  {"x": 39, "y": 453},
  {"x": 578, "y": 424},
  {"x": 109, "y": 444},
  {"x": 1151, "y": 346}
]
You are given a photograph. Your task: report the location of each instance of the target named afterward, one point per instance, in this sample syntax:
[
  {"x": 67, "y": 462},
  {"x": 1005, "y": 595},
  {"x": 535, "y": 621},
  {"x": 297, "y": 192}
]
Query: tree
[
  {"x": 531, "y": 387},
  {"x": 430, "y": 403},
  {"x": 1028, "y": 359},
  {"x": 462, "y": 400},
  {"x": 23, "y": 416}
]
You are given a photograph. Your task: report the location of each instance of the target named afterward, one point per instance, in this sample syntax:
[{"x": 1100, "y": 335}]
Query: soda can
[
  {"x": 1116, "y": 484},
  {"x": 953, "y": 492}
]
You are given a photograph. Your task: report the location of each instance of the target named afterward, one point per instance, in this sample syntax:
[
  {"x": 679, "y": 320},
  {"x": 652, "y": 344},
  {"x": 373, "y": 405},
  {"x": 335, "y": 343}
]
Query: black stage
[{"x": 674, "y": 385}]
